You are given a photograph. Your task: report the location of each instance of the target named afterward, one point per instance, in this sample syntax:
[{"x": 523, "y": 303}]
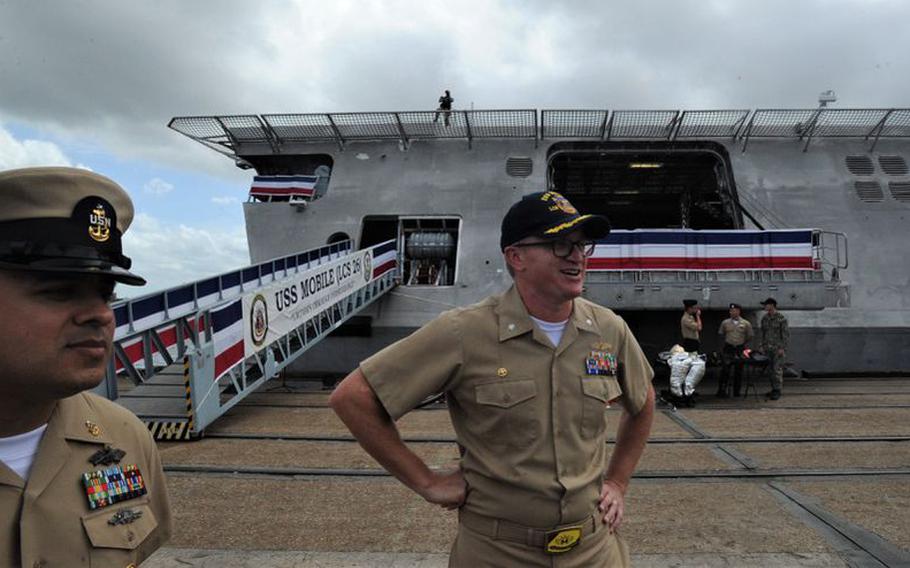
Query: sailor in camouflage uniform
[{"x": 775, "y": 338}]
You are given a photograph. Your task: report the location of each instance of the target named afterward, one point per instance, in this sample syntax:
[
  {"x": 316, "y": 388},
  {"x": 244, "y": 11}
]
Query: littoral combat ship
[{"x": 809, "y": 206}]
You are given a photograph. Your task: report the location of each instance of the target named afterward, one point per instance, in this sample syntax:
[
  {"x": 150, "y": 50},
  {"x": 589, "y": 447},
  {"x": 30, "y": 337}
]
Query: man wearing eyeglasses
[{"x": 528, "y": 376}]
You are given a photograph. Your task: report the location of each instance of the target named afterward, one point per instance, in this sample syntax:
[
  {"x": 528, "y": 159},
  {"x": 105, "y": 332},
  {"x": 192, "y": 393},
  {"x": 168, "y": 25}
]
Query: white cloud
[
  {"x": 225, "y": 200},
  {"x": 158, "y": 186},
  {"x": 24, "y": 153},
  {"x": 168, "y": 255}
]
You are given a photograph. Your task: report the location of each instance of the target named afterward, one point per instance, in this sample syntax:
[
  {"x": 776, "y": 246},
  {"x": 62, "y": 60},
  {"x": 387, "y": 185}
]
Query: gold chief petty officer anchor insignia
[{"x": 99, "y": 223}]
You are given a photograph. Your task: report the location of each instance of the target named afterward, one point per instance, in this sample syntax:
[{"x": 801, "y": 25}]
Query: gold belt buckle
[{"x": 563, "y": 540}]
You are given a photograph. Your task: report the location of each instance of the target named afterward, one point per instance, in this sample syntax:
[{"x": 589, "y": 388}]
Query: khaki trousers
[{"x": 599, "y": 550}]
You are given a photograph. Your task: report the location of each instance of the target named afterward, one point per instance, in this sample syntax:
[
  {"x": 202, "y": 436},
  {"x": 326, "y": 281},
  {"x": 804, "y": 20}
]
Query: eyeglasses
[{"x": 562, "y": 248}]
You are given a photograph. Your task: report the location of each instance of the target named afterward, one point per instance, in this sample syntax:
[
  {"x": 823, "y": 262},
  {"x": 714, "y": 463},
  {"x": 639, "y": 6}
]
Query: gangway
[{"x": 197, "y": 350}]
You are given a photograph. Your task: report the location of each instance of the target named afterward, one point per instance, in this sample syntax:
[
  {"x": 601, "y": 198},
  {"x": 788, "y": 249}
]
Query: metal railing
[
  {"x": 155, "y": 330},
  {"x": 228, "y": 134}
]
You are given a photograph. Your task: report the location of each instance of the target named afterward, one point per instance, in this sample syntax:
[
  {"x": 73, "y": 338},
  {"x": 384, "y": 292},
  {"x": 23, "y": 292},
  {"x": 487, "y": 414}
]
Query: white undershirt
[
  {"x": 18, "y": 452},
  {"x": 552, "y": 330}
]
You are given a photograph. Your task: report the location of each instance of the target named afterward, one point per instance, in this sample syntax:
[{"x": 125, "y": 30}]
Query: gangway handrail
[
  {"x": 151, "y": 307},
  {"x": 149, "y": 326},
  {"x": 209, "y": 372}
]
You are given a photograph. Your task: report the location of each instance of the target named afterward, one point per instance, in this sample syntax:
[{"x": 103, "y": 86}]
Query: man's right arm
[{"x": 357, "y": 406}]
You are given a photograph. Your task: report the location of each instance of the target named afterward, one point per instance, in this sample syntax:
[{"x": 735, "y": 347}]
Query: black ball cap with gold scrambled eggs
[
  {"x": 64, "y": 220},
  {"x": 548, "y": 215}
]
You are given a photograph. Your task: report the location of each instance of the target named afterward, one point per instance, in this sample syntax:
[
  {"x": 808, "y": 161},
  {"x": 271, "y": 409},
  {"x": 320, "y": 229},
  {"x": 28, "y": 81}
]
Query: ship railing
[
  {"x": 233, "y": 135},
  {"x": 690, "y": 256},
  {"x": 831, "y": 253},
  {"x": 155, "y": 330}
]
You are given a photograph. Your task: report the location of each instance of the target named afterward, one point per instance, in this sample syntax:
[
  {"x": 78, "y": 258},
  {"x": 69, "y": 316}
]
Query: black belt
[{"x": 514, "y": 532}]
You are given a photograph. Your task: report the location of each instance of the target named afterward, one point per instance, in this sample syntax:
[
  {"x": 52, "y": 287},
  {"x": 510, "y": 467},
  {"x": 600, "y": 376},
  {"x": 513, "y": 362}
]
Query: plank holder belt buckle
[{"x": 563, "y": 540}]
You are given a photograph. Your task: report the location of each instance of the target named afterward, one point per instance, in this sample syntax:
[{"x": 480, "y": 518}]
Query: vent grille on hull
[
  {"x": 869, "y": 191},
  {"x": 860, "y": 165},
  {"x": 900, "y": 191},
  {"x": 519, "y": 167},
  {"x": 893, "y": 165}
]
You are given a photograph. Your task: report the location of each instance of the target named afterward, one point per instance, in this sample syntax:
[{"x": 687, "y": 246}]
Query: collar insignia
[{"x": 93, "y": 428}]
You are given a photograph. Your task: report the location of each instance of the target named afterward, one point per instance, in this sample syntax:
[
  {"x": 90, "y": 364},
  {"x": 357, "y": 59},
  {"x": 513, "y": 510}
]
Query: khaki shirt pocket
[
  {"x": 598, "y": 390},
  {"x": 509, "y": 418},
  {"x": 115, "y": 543}
]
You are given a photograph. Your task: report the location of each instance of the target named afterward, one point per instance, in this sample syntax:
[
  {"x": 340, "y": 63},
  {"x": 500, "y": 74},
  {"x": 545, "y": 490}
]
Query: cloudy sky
[{"x": 94, "y": 83}]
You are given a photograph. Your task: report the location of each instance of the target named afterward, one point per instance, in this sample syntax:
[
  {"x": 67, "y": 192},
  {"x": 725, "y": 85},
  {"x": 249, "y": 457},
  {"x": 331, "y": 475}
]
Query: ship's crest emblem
[
  {"x": 368, "y": 266},
  {"x": 259, "y": 320},
  {"x": 560, "y": 203}
]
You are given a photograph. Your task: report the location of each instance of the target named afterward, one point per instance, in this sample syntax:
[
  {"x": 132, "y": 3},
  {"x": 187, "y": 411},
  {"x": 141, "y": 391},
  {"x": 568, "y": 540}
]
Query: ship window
[
  {"x": 893, "y": 165},
  {"x": 860, "y": 165},
  {"x": 337, "y": 238},
  {"x": 869, "y": 191},
  {"x": 519, "y": 167},
  {"x": 900, "y": 191},
  {"x": 430, "y": 250}
]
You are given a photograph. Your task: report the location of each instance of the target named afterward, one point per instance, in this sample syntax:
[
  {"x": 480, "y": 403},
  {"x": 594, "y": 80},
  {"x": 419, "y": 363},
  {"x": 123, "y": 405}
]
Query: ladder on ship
[{"x": 193, "y": 352}]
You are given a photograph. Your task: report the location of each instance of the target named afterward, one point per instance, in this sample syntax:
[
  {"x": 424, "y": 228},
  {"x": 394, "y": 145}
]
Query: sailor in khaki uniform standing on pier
[
  {"x": 528, "y": 376},
  {"x": 81, "y": 483},
  {"x": 737, "y": 333},
  {"x": 690, "y": 326}
]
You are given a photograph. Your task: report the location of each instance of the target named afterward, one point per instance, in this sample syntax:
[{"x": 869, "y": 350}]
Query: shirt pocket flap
[
  {"x": 605, "y": 388},
  {"x": 125, "y": 536},
  {"x": 505, "y": 394}
]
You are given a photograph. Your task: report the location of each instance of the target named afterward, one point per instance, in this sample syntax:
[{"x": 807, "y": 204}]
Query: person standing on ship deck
[
  {"x": 445, "y": 107},
  {"x": 528, "y": 376},
  {"x": 81, "y": 482}
]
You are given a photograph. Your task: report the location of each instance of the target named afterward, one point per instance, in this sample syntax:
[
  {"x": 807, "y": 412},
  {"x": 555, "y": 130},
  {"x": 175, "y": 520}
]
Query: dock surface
[{"x": 819, "y": 478}]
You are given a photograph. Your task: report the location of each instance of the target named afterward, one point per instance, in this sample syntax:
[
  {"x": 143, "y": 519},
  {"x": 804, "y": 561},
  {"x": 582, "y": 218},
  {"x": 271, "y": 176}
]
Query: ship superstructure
[{"x": 719, "y": 205}]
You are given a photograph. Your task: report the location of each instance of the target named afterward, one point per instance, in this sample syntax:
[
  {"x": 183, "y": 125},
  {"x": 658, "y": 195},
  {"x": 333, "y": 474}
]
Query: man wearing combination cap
[
  {"x": 81, "y": 483},
  {"x": 528, "y": 376}
]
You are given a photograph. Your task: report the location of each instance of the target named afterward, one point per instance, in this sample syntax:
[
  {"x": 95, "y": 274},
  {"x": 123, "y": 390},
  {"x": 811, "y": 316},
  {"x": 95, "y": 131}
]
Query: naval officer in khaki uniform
[
  {"x": 690, "y": 326},
  {"x": 737, "y": 333},
  {"x": 529, "y": 375},
  {"x": 81, "y": 483}
]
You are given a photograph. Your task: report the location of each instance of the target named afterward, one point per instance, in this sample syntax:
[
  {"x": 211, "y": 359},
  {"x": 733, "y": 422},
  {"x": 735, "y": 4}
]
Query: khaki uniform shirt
[
  {"x": 531, "y": 420},
  {"x": 47, "y": 522},
  {"x": 775, "y": 332},
  {"x": 736, "y": 331},
  {"x": 689, "y": 327}
]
